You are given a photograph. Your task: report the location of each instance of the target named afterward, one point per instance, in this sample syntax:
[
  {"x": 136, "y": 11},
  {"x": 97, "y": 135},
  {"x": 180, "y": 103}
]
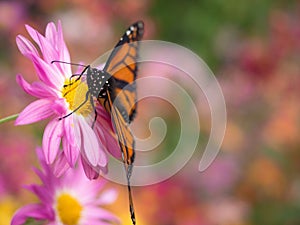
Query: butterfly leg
[
  {"x": 83, "y": 71},
  {"x": 96, "y": 114},
  {"x": 85, "y": 101},
  {"x": 77, "y": 74},
  {"x": 70, "y": 79}
]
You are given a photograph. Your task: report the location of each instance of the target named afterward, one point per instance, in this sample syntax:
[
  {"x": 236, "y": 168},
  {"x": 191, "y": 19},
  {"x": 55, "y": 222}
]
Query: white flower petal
[{"x": 91, "y": 146}]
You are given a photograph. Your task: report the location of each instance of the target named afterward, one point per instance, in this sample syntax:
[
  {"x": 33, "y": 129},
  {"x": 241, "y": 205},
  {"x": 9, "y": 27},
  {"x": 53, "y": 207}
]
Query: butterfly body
[{"x": 99, "y": 82}]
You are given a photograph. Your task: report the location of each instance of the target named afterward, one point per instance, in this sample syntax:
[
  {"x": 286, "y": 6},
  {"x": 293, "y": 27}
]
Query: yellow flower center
[
  {"x": 75, "y": 94},
  {"x": 69, "y": 209}
]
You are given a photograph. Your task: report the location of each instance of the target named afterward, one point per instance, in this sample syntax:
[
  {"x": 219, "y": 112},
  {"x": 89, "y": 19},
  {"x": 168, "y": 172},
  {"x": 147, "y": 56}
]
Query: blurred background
[{"x": 253, "y": 48}]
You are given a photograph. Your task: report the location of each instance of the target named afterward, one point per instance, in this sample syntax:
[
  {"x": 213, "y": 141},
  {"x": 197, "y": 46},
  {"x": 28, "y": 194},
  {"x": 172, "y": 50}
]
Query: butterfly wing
[
  {"x": 122, "y": 65},
  {"x": 121, "y": 100},
  {"x": 126, "y": 140},
  {"x": 126, "y": 143}
]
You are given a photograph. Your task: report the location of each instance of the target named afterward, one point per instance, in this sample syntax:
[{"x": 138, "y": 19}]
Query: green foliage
[
  {"x": 275, "y": 213},
  {"x": 196, "y": 23},
  {"x": 31, "y": 221}
]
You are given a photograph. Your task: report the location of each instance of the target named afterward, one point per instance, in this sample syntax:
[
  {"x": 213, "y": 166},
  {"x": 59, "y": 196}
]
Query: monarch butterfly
[
  {"x": 114, "y": 88},
  {"x": 118, "y": 94}
]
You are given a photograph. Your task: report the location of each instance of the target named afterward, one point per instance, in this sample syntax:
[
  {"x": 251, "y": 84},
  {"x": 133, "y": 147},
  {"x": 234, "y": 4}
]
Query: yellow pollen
[
  {"x": 75, "y": 94},
  {"x": 69, "y": 209}
]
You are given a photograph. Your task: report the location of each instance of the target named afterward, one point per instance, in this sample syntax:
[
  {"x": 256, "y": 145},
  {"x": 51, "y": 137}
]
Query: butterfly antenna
[{"x": 74, "y": 64}]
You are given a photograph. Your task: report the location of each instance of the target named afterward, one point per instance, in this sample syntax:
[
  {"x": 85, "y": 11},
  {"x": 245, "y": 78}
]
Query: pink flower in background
[
  {"x": 70, "y": 199},
  {"x": 58, "y": 96}
]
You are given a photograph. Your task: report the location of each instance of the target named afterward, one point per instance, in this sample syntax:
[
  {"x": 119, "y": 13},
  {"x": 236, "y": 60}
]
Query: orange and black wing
[
  {"x": 126, "y": 142},
  {"x": 122, "y": 66},
  {"x": 125, "y": 137}
]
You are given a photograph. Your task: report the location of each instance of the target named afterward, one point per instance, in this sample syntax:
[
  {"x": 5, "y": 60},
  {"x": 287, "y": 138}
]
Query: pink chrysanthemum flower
[
  {"x": 71, "y": 199},
  {"x": 59, "y": 95}
]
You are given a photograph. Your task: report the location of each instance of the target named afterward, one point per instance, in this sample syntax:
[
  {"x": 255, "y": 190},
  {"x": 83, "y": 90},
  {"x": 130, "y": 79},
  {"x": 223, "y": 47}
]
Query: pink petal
[
  {"x": 36, "y": 211},
  {"x": 71, "y": 152},
  {"x": 98, "y": 213},
  {"x": 90, "y": 143},
  {"x": 44, "y": 193},
  {"x": 39, "y": 39},
  {"x": 104, "y": 118},
  {"x": 45, "y": 176},
  {"x": 91, "y": 147},
  {"x": 37, "y": 89},
  {"x": 47, "y": 72},
  {"x": 35, "y": 111},
  {"x": 51, "y": 50},
  {"x": 51, "y": 139},
  {"x": 77, "y": 132},
  {"x": 60, "y": 106},
  {"x": 52, "y": 223},
  {"x": 51, "y": 33},
  {"x": 112, "y": 145},
  {"x": 64, "y": 54},
  {"x": 92, "y": 188},
  {"x": 25, "y": 46},
  {"x": 33, "y": 33},
  {"x": 69, "y": 129},
  {"x": 89, "y": 170},
  {"x": 48, "y": 50},
  {"x": 40, "y": 155},
  {"x": 73, "y": 177},
  {"x": 109, "y": 141},
  {"x": 60, "y": 166}
]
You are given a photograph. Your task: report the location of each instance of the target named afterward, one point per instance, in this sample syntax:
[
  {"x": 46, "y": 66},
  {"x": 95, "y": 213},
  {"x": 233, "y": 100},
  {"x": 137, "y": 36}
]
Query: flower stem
[{"x": 9, "y": 118}]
